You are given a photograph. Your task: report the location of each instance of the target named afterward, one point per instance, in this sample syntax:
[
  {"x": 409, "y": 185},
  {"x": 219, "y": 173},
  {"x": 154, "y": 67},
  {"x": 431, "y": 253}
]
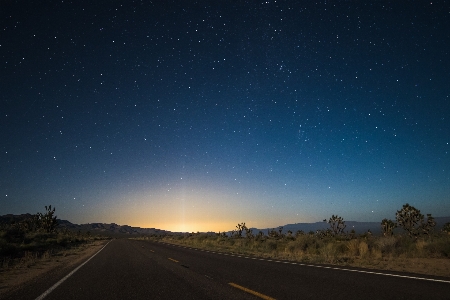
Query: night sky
[{"x": 197, "y": 115}]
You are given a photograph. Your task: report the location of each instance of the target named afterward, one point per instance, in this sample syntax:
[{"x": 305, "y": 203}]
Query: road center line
[
  {"x": 173, "y": 259},
  {"x": 45, "y": 294},
  {"x": 262, "y": 296}
]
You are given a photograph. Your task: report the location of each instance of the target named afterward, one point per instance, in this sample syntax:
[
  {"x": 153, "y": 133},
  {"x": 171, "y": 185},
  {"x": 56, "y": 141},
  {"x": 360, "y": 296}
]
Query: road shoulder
[{"x": 32, "y": 271}]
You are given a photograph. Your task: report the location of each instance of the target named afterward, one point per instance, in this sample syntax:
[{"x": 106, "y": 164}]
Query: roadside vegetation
[
  {"x": 25, "y": 242},
  {"x": 408, "y": 250}
]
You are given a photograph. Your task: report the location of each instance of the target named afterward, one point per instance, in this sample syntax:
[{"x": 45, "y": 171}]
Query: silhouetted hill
[
  {"x": 93, "y": 228},
  {"x": 115, "y": 229},
  {"x": 359, "y": 227},
  {"x": 10, "y": 218},
  {"x": 112, "y": 228}
]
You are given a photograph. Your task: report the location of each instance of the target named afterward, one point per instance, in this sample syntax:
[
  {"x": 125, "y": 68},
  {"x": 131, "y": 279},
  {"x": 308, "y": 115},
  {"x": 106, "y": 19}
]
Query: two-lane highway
[{"x": 132, "y": 269}]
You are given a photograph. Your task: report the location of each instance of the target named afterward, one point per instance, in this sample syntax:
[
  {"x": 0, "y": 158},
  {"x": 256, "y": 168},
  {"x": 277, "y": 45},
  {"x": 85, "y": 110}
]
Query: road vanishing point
[{"x": 138, "y": 269}]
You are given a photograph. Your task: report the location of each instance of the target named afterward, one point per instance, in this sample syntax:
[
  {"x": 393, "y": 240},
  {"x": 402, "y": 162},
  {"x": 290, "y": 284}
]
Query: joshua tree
[
  {"x": 387, "y": 227},
  {"x": 337, "y": 224},
  {"x": 48, "y": 221},
  {"x": 429, "y": 225},
  {"x": 280, "y": 231},
  {"x": 248, "y": 232},
  {"x": 446, "y": 228},
  {"x": 239, "y": 229},
  {"x": 411, "y": 220}
]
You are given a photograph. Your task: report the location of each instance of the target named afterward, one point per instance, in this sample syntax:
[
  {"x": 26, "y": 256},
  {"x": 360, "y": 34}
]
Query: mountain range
[{"x": 121, "y": 230}]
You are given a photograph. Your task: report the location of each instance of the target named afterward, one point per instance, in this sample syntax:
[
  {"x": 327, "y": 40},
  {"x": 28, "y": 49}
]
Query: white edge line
[
  {"x": 326, "y": 267},
  {"x": 45, "y": 294}
]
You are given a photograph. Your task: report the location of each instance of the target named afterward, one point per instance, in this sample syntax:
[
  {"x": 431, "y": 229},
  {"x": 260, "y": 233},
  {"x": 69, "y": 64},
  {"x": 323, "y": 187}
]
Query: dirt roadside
[{"x": 15, "y": 277}]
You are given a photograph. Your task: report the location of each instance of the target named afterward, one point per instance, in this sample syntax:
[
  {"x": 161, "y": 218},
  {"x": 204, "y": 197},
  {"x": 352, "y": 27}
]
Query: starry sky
[{"x": 198, "y": 115}]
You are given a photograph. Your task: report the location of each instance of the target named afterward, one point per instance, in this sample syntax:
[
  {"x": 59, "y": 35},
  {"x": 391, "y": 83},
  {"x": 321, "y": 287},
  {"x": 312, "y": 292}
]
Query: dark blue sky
[{"x": 199, "y": 115}]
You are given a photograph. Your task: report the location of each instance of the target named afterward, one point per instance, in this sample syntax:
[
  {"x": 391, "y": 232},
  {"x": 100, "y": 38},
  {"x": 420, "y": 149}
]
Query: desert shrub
[
  {"x": 306, "y": 241},
  {"x": 341, "y": 247},
  {"x": 63, "y": 240},
  {"x": 256, "y": 246},
  {"x": 353, "y": 247},
  {"x": 52, "y": 240},
  {"x": 201, "y": 237},
  {"x": 386, "y": 244},
  {"x": 271, "y": 245},
  {"x": 29, "y": 259},
  {"x": 363, "y": 249},
  {"x": 314, "y": 248},
  {"x": 328, "y": 253},
  {"x": 221, "y": 240},
  {"x": 439, "y": 247},
  {"x": 444, "y": 249},
  {"x": 376, "y": 253},
  {"x": 446, "y": 228},
  {"x": 230, "y": 242},
  {"x": 47, "y": 254},
  {"x": 421, "y": 246},
  {"x": 291, "y": 247},
  {"x": 405, "y": 246},
  {"x": 33, "y": 246},
  {"x": 13, "y": 234},
  {"x": 7, "y": 249}
]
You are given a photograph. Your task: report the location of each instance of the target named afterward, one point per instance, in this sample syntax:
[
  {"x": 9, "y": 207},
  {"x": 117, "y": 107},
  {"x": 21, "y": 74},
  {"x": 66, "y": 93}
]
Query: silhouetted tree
[
  {"x": 411, "y": 220},
  {"x": 239, "y": 229},
  {"x": 446, "y": 228},
  {"x": 47, "y": 221},
  {"x": 337, "y": 224},
  {"x": 387, "y": 227}
]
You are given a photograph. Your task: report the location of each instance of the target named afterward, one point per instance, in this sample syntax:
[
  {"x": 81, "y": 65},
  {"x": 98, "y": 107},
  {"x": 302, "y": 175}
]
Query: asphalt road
[{"x": 131, "y": 269}]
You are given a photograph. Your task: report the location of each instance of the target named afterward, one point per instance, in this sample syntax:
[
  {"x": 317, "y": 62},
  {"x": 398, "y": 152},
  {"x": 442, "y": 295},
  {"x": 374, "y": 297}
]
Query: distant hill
[
  {"x": 115, "y": 229},
  {"x": 110, "y": 229},
  {"x": 359, "y": 227},
  {"x": 94, "y": 228},
  {"x": 9, "y": 218}
]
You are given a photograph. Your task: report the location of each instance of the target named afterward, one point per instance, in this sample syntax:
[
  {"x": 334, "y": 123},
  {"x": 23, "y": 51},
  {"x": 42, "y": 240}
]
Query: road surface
[{"x": 133, "y": 269}]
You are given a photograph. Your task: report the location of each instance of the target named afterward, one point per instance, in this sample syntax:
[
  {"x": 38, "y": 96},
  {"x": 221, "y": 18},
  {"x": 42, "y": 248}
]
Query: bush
[
  {"x": 363, "y": 249},
  {"x": 438, "y": 247},
  {"x": 305, "y": 241},
  {"x": 329, "y": 253},
  {"x": 271, "y": 245},
  {"x": 386, "y": 244},
  {"x": 7, "y": 249},
  {"x": 353, "y": 247}
]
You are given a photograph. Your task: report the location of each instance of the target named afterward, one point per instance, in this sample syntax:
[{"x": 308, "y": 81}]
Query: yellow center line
[
  {"x": 262, "y": 296},
  {"x": 173, "y": 259},
  {"x": 152, "y": 251}
]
